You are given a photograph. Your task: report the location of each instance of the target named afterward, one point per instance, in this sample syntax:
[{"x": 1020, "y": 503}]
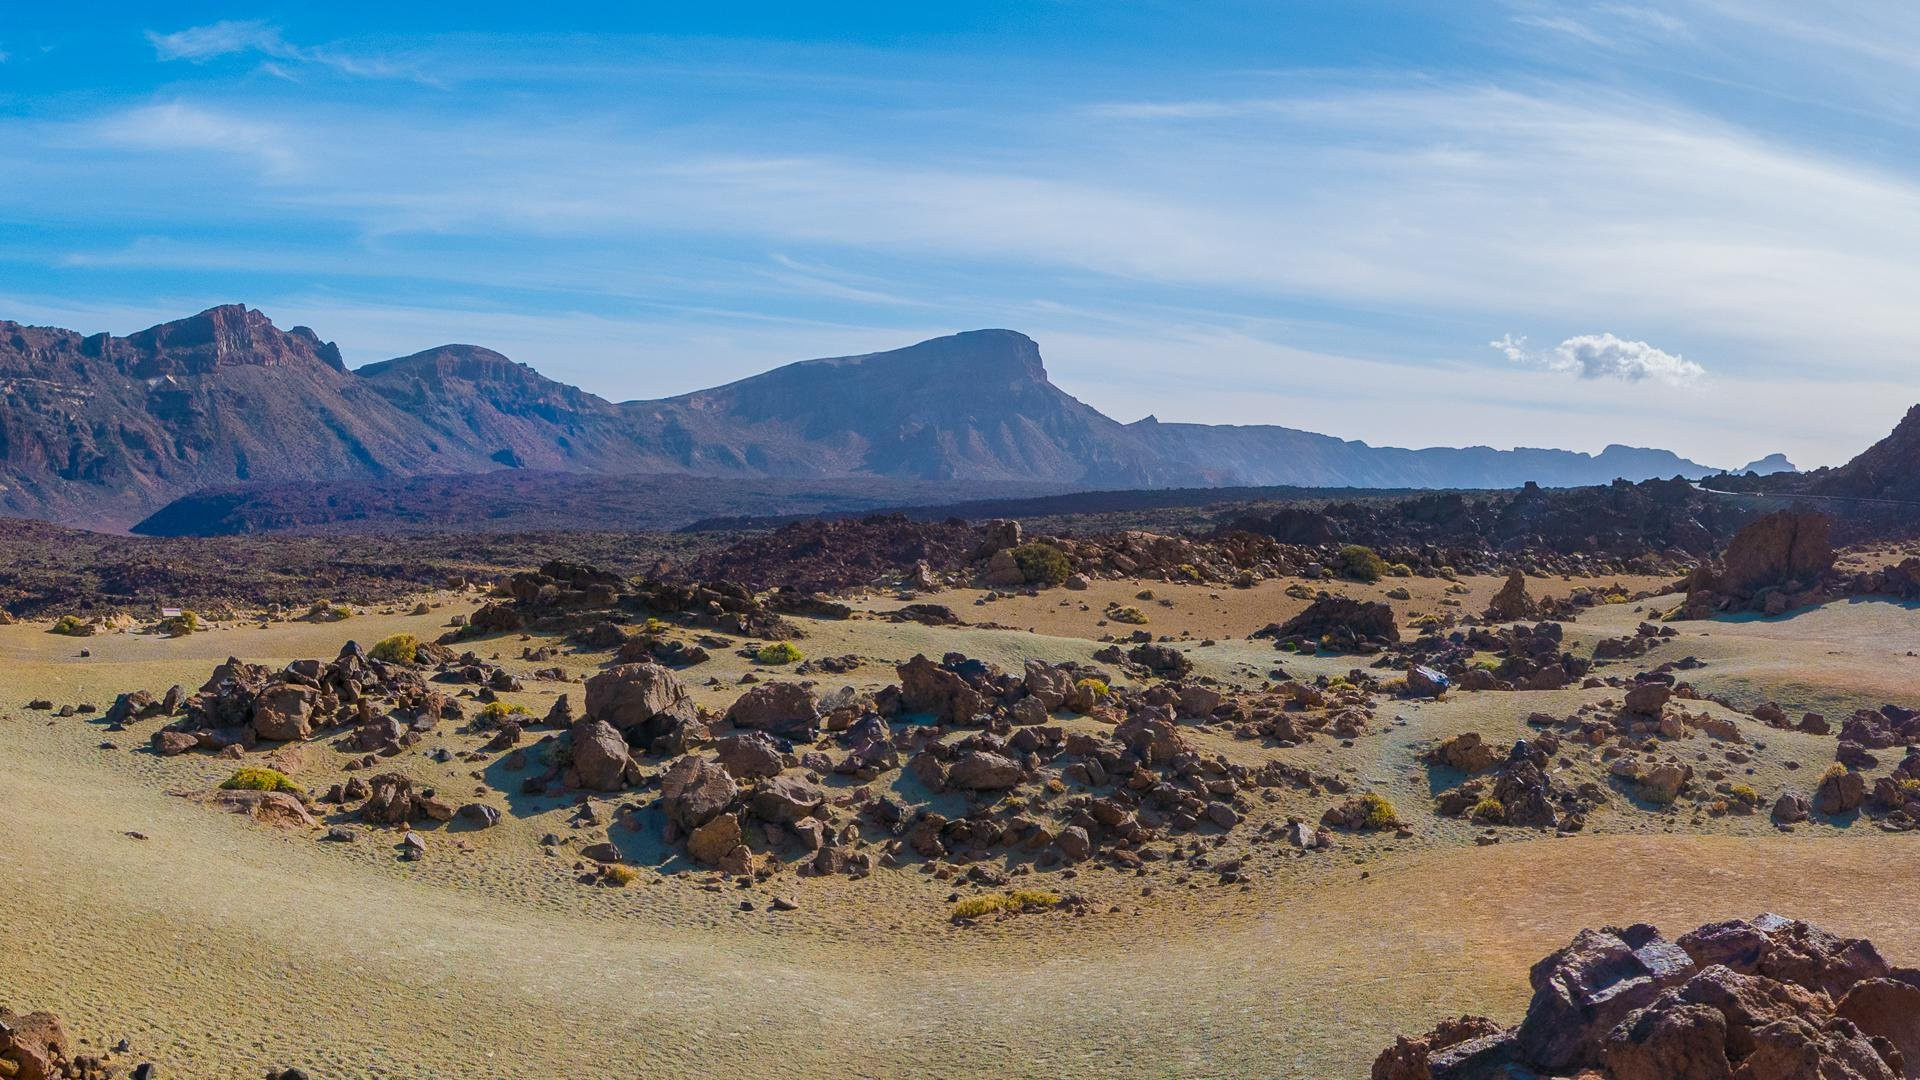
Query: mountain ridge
[{"x": 103, "y": 431}]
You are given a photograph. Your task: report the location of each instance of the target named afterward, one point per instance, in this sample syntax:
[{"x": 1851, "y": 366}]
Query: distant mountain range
[{"x": 102, "y": 431}]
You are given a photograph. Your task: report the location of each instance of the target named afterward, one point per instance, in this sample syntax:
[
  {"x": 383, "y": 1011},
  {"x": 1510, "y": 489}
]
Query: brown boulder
[
  {"x": 646, "y": 700},
  {"x": 1512, "y": 601},
  {"x": 1780, "y": 549},
  {"x": 786, "y": 799},
  {"x": 283, "y": 712},
  {"x": 34, "y": 1044},
  {"x": 750, "y": 756},
  {"x": 927, "y": 687},
  {"x": 1583, "y": 990},
  {"x": 694, "y": 791},
  {"x": 712, "y": 843},
  {"x": 1890, "y": 1010},
  {"x": 784, "y": 708},
  {"x": 982, "y": 770},
  {"x": 601, "y": 761}
]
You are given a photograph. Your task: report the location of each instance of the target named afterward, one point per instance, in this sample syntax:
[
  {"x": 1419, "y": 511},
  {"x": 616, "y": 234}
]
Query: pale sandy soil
[{"x": 219, "y": 946}]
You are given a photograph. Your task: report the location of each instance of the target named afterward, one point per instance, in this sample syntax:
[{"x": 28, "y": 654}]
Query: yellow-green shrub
[
  {"x": 70, "y": 625},
  {"x": 260, "y": 778},
  {"x": 397, "y": 649},
  {"x": 496, "y": 711},
  {"x": 779, "y": 652},
  {"x": 974, "y": 907},
  {"x": 1132, "y": 616},
  {"x": 1380, "y": 813}
]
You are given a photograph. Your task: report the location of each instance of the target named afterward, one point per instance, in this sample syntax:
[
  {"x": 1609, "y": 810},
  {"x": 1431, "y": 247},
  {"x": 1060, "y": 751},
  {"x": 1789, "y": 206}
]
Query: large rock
[
  {"x": 786, "y": 709},
  {"x": 694, "y": 791},
  {"x": 1788, "y": 950},
  {"x": 1841, "y": 791},
  {"x": 391, "y": 801},
  {"x": 750, "y": 756},
  {"x": 927, "y": 687},
  {"x": 283, "y": 712},
  {"x": 784, "y": 800},
  {"x": 33, "y": 1044},
  {"x": 713, "y": 843},
  {"x": 646, "y": 702},
  {"x": 1785, "y": 548},
  {"x": 601, "y": 761},
  {"x": 1889, "y": 1009},
  {"x": 982, "y": 770},
  {"x": 1586, "y": 988},
  {"x": 1512, "y": 602}
]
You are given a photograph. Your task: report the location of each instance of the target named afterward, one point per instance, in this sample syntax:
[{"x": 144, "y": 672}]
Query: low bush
[
  {"x": 779, "y": 652},
  {"x": 398, "y": 649},
  {"x": 496, "y": 711},
  {"x": 70, "y": 625},
  {"x": 1489, "y": 811},
  {"x": 187, "y": 622},
  {"x": 619, "y": 876},
  {"x": 1132, "y": 616},
  {"x": 1021, "y": 900},
  {"x": 1042, "y": 564},
  {"x": 1380, "y": 812},
  {"x": 260, "y": 778},
  {"x": 1362, "y": 563}
]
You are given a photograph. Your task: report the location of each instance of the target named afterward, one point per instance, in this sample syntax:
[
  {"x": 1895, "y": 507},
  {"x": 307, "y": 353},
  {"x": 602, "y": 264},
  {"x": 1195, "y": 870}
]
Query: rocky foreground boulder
[{"x": 1767, "y": 999}]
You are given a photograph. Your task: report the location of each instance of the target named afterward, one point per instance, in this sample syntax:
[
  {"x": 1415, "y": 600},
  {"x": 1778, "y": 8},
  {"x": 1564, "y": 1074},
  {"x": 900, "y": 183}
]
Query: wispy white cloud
[
  {"x": 199, "y": 44},
  {"x": 177, "y": 126},
  {"x": 1604, "y": 356}
]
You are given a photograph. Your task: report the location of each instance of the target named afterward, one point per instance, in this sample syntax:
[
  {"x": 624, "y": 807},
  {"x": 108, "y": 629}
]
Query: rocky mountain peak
[{"x": 226, "y": 336}]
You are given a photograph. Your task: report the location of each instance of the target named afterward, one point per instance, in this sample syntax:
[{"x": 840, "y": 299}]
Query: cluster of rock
[
  {"x": 592, "y": 606},
  {"x": 1516, "y": 788},
  {"x": 382, "y": 703},
  {"x": 785, "y": 772},
  {"x": 1338, "y": 623},
  {"x": 1766, "y": 999},
  {"x": 1531, "y": 657}
]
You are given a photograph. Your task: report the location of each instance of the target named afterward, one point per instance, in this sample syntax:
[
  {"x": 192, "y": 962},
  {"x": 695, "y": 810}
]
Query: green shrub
[
  {"x": 496, "y": 711},
  {"x": 1132, "y": 616},
  {"x": 619, "y": 876},
  {"x": 397, "y": 649},
  {"x": 1489, "y": 811},
  {"x": 1042, "y": 564},
  {"x": 1095, "y": 687},
  {"x": 1380, "y": 812},
  {"x": 1362, "y": 563},
  {"x": 780, "y": 652},
  {"x": 1020, "y": 900},
  {"x": 187, "y": 622},
  {"x": 69, "y": 625},
  {"x": 1744, "y": 793},
  {"x": 260, "y": 778}
]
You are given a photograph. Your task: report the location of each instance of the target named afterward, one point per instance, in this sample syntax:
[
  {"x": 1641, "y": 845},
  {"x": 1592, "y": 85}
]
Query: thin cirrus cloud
[
  {"x": 1604, "y": 356},
  {"x": 200, "y": 44}
]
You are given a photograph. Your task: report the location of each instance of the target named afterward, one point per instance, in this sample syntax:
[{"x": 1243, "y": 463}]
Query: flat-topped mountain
[{"x": 101, "y": 430}]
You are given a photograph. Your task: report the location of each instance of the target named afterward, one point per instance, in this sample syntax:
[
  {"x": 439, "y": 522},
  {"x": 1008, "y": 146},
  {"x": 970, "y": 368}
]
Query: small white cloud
[{"x": 1604, "y": 356}]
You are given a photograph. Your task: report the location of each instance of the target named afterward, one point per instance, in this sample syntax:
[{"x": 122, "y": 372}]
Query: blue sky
[{"x": 1690, "y": 225}]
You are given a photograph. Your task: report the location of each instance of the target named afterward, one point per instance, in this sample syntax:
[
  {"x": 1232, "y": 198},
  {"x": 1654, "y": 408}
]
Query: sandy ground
[{"x": 219, "y": 946}]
